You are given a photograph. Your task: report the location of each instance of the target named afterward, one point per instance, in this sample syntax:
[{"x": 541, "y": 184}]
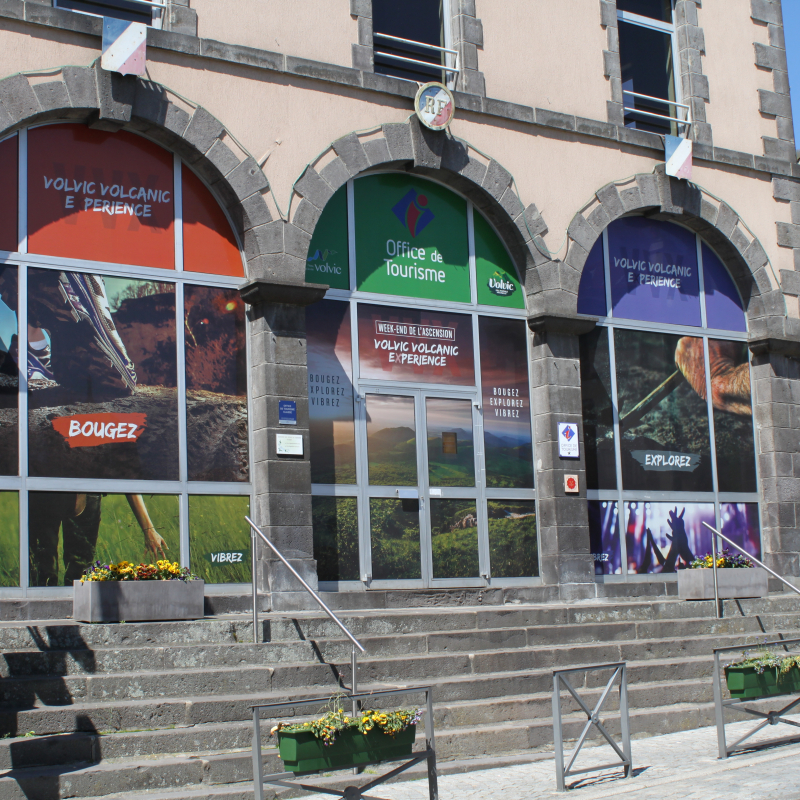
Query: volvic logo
[
  {"x": 413, "y": 212},
  {"x": 501, "y": 285},
  {"x": 319, "y": 262}
]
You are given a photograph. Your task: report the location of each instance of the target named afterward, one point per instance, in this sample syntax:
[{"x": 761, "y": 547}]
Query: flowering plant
[
  {"x": 126, "y": 571},
  {"x": 724, "y": 559},
  {"x": 764, "y": 659},
  {"x": 335, "y": 721}
]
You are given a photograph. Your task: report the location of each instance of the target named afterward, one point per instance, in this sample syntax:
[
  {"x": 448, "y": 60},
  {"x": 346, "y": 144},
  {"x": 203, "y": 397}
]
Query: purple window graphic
[
  {"x": 723, "y": 304},
  {"x": 592, "y": 290},
  {"x": 653, "y": 270}
]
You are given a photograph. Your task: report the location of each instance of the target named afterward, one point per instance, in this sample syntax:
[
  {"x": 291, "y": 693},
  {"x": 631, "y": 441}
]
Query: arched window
[
  {"x": 667, "y": 412},
  {"x": 421, "y": 447},
  {"x": 123, "y": 369}
]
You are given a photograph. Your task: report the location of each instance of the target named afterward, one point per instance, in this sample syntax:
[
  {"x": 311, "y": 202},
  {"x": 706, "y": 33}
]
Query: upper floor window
[
  {"x": 648, "y": 54},
  {"x": 411, "y": 40},
  {"x": 148, "y": 12}
]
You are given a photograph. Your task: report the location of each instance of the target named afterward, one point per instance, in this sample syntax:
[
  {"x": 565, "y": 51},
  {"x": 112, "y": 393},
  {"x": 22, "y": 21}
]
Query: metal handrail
[
  {"x": 741, "y": 550},
  {"x": 447, "y": 50},
  {"x": 254, "y": 529},
  {"x": 687, "y": 121}
]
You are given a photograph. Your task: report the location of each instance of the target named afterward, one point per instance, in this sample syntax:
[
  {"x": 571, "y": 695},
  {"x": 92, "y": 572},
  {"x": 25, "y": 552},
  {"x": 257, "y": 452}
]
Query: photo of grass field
[
  {"x": 513, "y": 544},
  {"x": 9, "y": 539},
  {"x": 217, "y": 525}
]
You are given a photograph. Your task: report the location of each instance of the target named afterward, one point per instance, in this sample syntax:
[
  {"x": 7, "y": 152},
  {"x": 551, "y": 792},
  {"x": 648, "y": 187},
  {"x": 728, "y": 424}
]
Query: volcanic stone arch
[
  {"x": 113, "y": 102},
  {"x": 658, "y": 196},
  {"x": 410, "y": 147}
]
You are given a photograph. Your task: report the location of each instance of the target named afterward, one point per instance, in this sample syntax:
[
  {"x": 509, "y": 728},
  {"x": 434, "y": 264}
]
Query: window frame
[
  {"x": 670, "y": 29},
  {"x": 182, "y": 488},
  {"x": 158, "y": 10},
  {"x": 621, "y": 495},
  {"x": 361, "y": 489}
]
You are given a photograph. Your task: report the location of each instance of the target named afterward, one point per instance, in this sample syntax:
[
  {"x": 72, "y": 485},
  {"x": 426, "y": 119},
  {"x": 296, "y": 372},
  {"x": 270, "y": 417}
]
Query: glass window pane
[
  {"x": 513, "y": 544},
  {"x": 656, "y": 9},
  {"x": 8, "y": 194},
  {"x": 665, "y": 439},
  {"x": 494, "y": 271},
  {"x": 665, "y": 537},
  {"x": 417, "y": 20},
  {"x": 451, "y": 451},
  {"x": 327, "y": 259},
  {"x": 68, "y": 531},
  {"x": 335, "y": 521},
  {"x": 506, "y": 403},
  {"x": 733, "y": 416},
  {"x": 411, "y": 238},
  {"x": 219, "y": 538},
  {"x": 404, "y": 344},
  {"x": 598, "y": 413},
  {"x": 723, "y": 303},
  {"x": 394, "y": 527},
  {"x": 102, "y": 391},
  {"x": 9, "y": 373},
  {"x": 604, "y": 537},
  {"x": 330, "y": 393},
  {"x": 592, "y": 288},
  {"x": 216, "y": 384},
  {"x": 117, "y": 9},
  {"x": 647, "y": 68},
  {"x": 208, "y": 241},
  {"x": 454, "y": 538},
  {"x": 100, "y": 196},
  {"x": 740, "y": 524},
  {"x": 391, "y": 440},
  {"x": 653, "y": 269},
  {"x": 9, "y": 539}
]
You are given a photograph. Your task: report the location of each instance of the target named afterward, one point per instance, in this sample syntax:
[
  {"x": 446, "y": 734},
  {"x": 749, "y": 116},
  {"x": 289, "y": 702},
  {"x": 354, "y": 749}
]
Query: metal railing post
[
  {"x": 258, "y": 767},
  {"x": 624, "y": 719},
  {"x": 430, "y": 746},
  {"x": 716, "y": 581},
  {"x": 254, "y": 575},
  {"x": 719, "y": 709},
  {"x": 558, "y": 736}
]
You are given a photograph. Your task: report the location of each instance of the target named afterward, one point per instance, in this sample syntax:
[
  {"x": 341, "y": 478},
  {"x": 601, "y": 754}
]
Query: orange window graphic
[
  {"x": 100, "y": 196},
  {"x": 208, "y": 242}
]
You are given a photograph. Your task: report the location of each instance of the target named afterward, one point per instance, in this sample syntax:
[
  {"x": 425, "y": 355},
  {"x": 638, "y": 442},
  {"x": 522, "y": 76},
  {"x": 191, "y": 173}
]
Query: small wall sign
[
  {"x": 568, "y": 446},
  {"x": 287, "y": 412},
  {"x": 571, "y": 484},
  {"x": 434, "y": 105},
  {"x": 288, "y": 444}
]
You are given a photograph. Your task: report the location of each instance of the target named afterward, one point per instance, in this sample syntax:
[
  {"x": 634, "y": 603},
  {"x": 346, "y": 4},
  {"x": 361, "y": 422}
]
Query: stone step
[
  {"x": 210, "y": 737},
  {"x": 108, "y": 660},
  {"x": 115, "y": 777},
  {"x": 68, "y": 635}
]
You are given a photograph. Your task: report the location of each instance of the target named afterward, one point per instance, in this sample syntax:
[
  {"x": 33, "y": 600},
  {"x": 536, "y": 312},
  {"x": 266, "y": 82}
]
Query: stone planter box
[
  {"x": 746, "y": 684},
  {"x": 137, "y": 601},
  {"x": 303, "y": 752},
  {"x": 734, "y": 583}
]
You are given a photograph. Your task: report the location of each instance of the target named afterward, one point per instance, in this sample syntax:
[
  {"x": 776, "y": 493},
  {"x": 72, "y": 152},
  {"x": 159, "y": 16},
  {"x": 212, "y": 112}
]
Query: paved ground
[{"x": 675, "y": 766}]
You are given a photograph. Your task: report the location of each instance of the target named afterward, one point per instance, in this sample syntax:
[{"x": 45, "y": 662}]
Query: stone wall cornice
[{"x": 38, "y": 15}]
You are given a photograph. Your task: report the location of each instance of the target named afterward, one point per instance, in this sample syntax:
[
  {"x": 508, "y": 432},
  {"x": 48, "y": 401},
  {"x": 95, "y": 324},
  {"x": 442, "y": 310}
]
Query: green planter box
[
  {"x": 303, "y": 752},
  {"x": 746, "y": 683}
]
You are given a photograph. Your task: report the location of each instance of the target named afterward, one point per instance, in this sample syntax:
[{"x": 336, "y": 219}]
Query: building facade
[{"x": 521, "y": 360}]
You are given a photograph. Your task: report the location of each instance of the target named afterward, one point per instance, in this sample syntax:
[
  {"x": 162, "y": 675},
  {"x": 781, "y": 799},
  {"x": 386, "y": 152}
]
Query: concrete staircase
[{"x": 161, "y": 710}]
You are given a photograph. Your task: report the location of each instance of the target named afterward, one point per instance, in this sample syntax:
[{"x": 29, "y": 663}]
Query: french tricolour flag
[
  {"x": 678, "y": 155},
  {"x": 124, "y": 46}
]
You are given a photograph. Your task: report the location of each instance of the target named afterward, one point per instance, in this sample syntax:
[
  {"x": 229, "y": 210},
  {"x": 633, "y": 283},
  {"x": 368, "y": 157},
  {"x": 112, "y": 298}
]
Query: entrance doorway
[{"x": 424, "y": 523}]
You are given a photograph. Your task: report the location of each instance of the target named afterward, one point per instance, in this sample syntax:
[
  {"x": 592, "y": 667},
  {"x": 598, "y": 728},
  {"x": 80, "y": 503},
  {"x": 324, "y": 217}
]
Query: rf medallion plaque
[{"x": 434, "y": 105}]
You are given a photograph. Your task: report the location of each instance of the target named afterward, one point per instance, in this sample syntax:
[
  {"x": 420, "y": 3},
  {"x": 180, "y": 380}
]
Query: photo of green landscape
[
  {"x": 394, "y": 525},
  {"x": 451, "y": 450},
  {"x": 9, "y": 539},
  {"x": 454, "y": 538},
  {"x": 335, "y": 523},
  {"x": 217, "y": 525},
  {"x": 513, "y": 544},
  {"x": 391, "y": 440}
]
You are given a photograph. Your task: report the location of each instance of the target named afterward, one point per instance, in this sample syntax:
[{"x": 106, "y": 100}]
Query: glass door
[{"x": 424, "y": 516}]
